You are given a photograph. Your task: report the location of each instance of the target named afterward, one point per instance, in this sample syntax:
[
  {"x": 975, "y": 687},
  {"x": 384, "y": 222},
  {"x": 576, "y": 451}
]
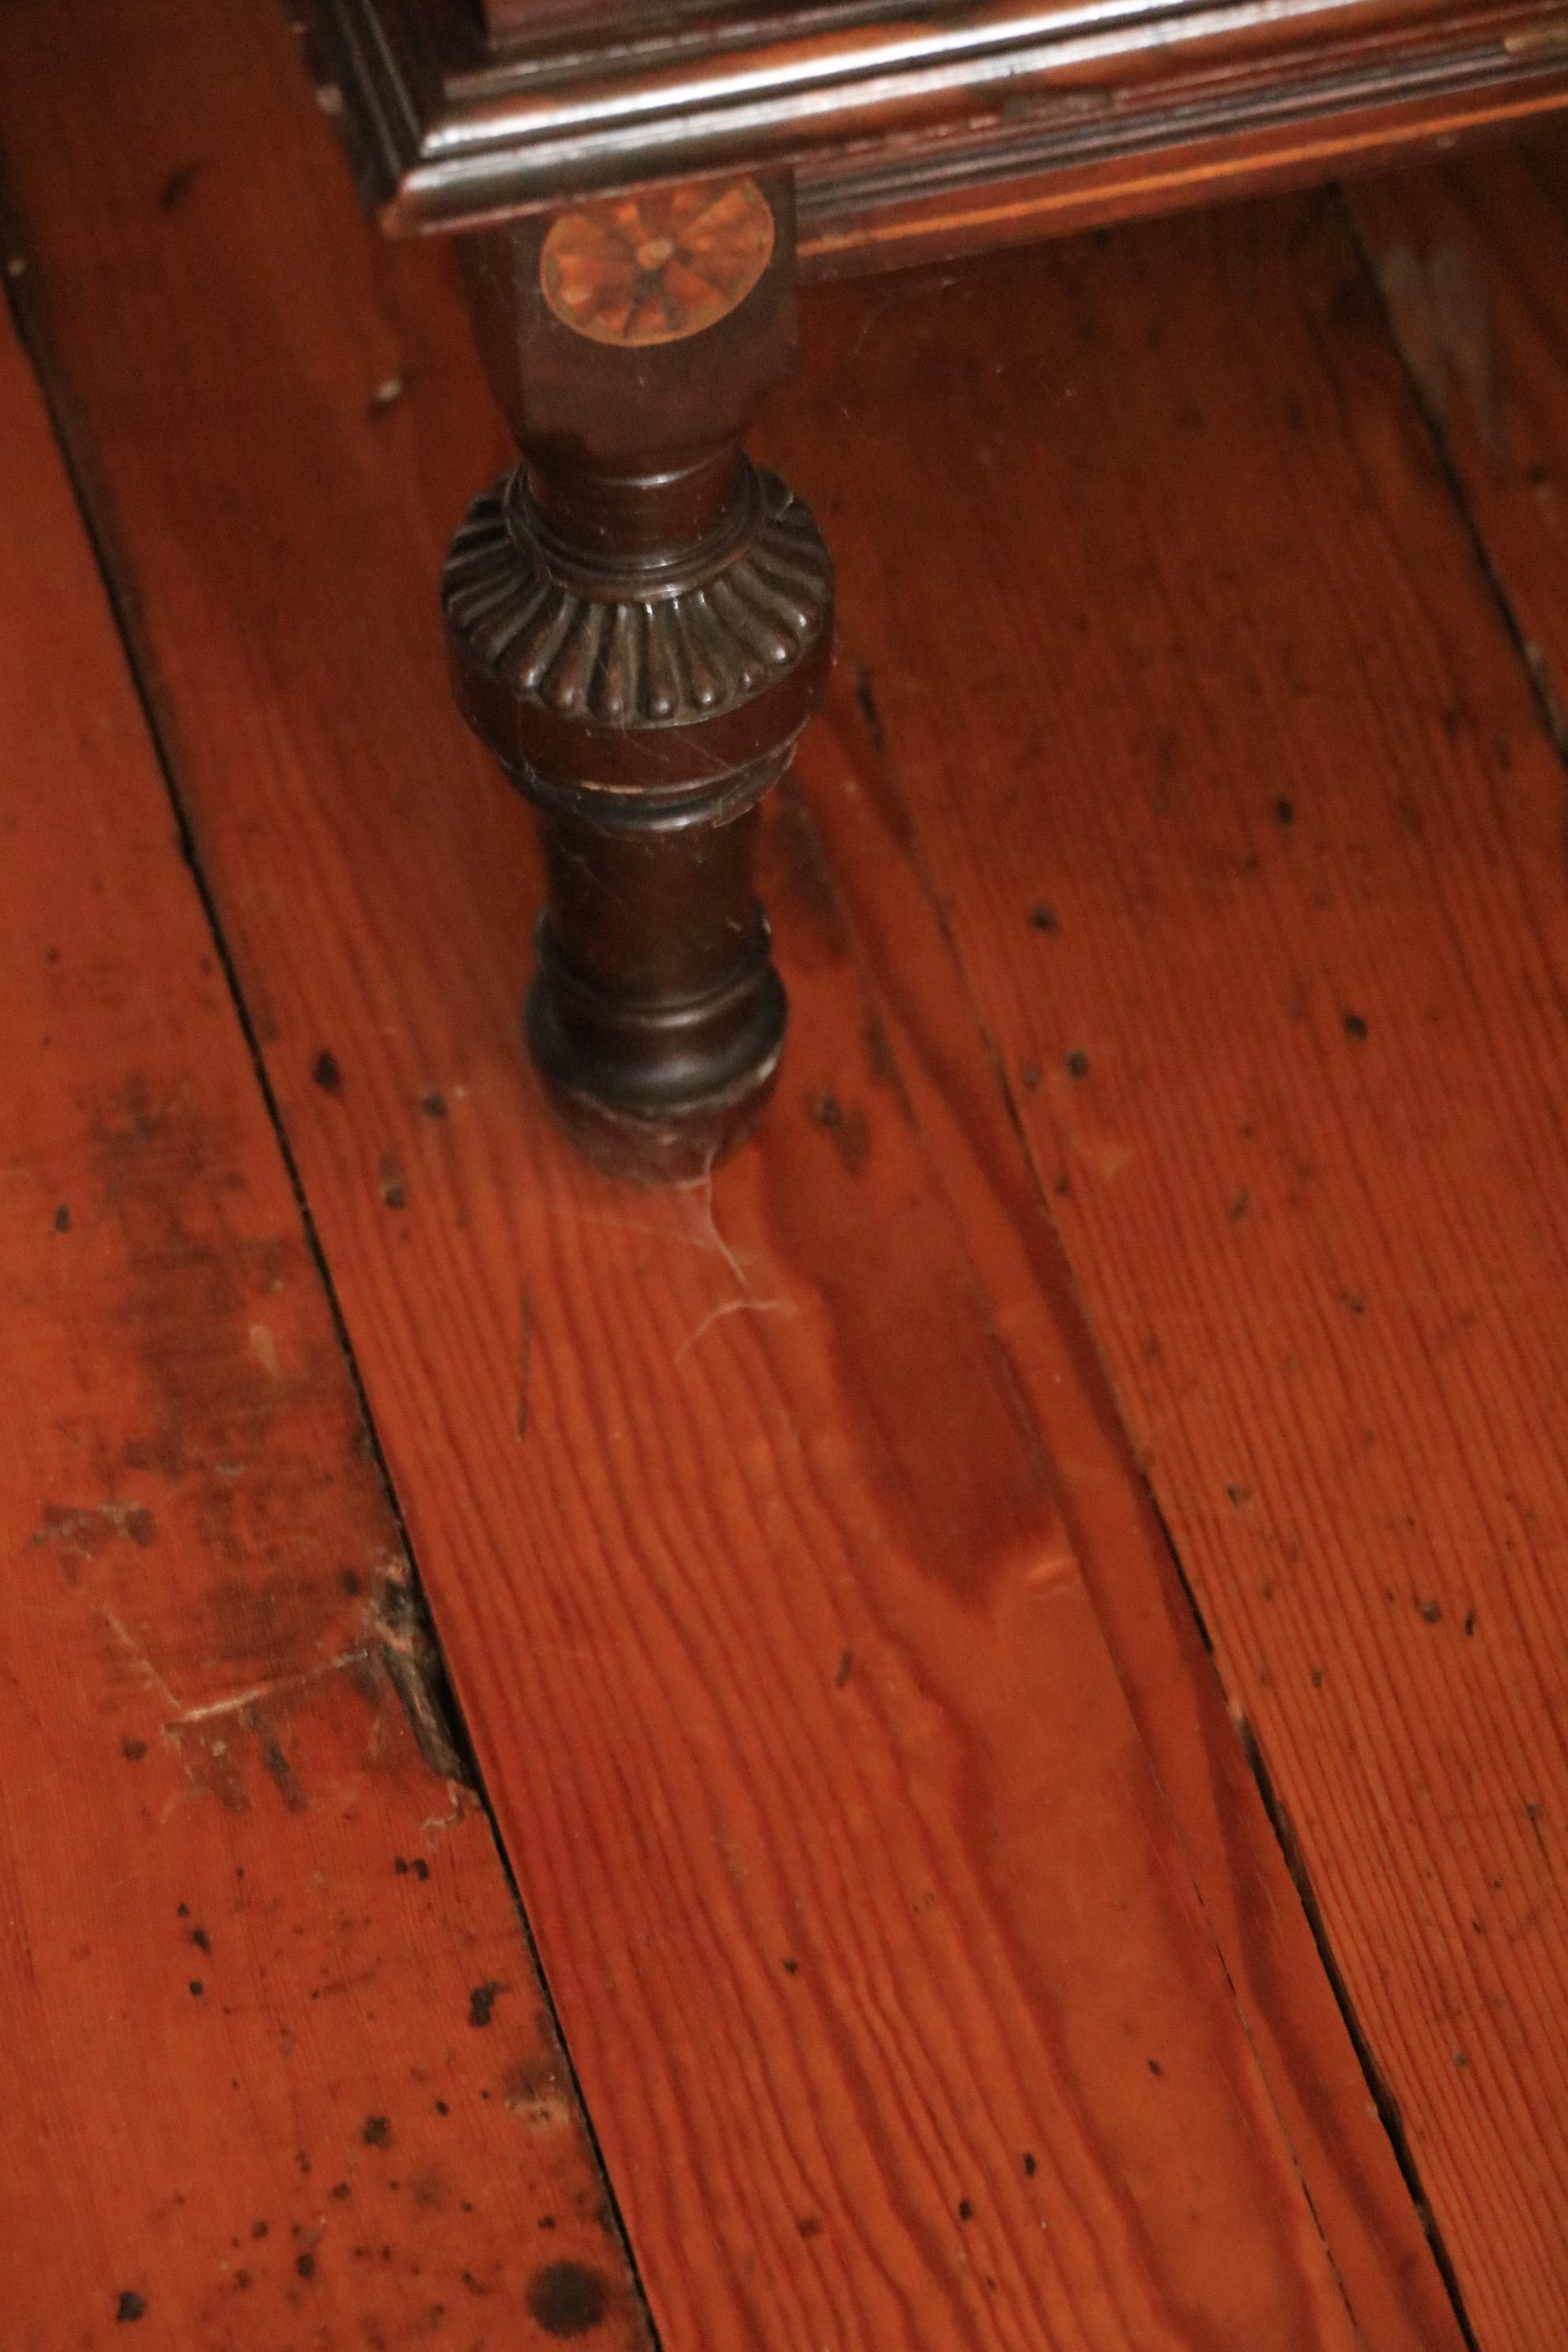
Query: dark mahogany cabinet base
[{"x": 638, "y": 620}]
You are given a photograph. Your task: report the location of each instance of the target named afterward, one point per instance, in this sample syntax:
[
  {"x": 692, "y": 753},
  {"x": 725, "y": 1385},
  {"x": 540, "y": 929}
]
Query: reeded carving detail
[{"x": 663, "y": 660}]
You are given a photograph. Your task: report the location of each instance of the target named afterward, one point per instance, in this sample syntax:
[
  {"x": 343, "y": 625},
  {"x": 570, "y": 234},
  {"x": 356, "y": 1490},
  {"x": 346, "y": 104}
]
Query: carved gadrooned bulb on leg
[{"x": 640, "y": 628}]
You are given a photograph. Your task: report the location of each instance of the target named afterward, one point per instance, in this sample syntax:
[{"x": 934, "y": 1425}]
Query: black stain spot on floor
[
  {"x": 284, "y": 1777},
  {"x": 178, "y": 186},
  {"x": 394, "y": 1183},
  {"x": 133, "y": 1750},
  {"x": 376, "y": 2132},
  {"x": 1044, "y": 918},
  {"x": 1078, "y": 1062},
  {"x": 417, "y": 1868},
  {"x": 63, "y": 1218},
  {"x": 845, "y": 1130},
  {"x": 130, "y": 2305},
  {"x": 482, "y": 2001},
  {"x": 1030, "y": 2167},
  {"x": 568, "y": 2299},
  {"x": 865, "y": 695},
  {"x": 1285, "y": 812},
  {"x": 1354, "y": 1026},
  {"x": 325, "y": 1071},
  {"x": 433, "y": 1102},
  {"x": 305, "y": 2264},
  {"x": 201, "y": 1939}
]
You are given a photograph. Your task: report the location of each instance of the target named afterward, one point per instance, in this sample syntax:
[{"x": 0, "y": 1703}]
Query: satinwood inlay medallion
[{"x": 657, "y": 268}]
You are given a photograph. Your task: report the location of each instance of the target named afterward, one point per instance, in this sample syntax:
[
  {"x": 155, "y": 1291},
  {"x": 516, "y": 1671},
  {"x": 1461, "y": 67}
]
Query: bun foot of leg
[{"x": 656, "y": 1093}]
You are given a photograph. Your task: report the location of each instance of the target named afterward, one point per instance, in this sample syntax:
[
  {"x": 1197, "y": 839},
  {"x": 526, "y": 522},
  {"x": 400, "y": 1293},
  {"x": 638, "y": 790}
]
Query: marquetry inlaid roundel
[{"x": 657, "y": 268}]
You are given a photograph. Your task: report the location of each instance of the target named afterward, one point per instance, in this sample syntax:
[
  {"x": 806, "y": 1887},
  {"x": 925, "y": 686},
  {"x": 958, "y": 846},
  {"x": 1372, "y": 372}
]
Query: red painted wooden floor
[{"x": 954, "y": 1739}]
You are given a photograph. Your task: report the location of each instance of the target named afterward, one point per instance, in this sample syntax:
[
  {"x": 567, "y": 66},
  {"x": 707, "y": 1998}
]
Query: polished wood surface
[
  {"x": 913, "y": 135},
  {"x": 252, "y": 1917},
  {"x": 907, "y": 1868}
]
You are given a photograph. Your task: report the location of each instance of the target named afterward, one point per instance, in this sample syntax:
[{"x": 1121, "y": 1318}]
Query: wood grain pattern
[
  {"x": 1228, "y": 787},
  {"x": 249, "y": 1933},
  {"x": 901, "y": 2009},
  {"x": 1314, "y": 2073}
]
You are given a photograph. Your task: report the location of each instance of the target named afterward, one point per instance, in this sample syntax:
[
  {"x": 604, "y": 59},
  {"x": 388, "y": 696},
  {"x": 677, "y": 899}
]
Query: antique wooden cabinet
[{"x": 638, "y": 621}]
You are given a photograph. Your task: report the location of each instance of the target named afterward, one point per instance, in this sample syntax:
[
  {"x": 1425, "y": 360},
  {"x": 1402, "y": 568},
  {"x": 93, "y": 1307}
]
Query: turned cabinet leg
[{"x": 639, "y": 623}]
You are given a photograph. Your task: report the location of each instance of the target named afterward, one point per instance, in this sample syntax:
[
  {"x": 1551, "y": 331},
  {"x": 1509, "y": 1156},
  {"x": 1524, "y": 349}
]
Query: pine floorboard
[
  {"x": 1226, "y": 781},
  {"x": 278, "y": 2068},
  {"x": 968, "y": 1926}
]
